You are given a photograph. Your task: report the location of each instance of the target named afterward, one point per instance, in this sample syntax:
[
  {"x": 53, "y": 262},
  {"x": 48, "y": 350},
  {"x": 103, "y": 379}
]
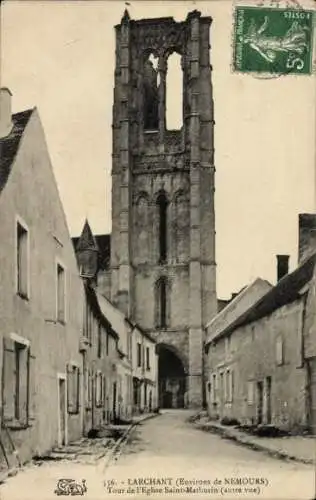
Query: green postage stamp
[{"x": 273, "y": 40}]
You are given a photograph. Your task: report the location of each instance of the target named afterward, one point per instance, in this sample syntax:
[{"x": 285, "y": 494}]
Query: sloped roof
[
  {"x": 86, "y": 240},
  {"x": 9, "y": 145},
  {"x": 287, "y": 290},
  {"x": 242, "y": 301},
  {"x": 94, "y": 300},
  {"x": 117, "y": 319}
]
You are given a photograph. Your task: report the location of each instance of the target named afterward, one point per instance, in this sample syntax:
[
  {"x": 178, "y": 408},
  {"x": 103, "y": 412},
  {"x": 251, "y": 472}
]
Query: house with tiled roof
[
  {"x": 41, "y": 294},
  {"x": 256, "y": 354}
]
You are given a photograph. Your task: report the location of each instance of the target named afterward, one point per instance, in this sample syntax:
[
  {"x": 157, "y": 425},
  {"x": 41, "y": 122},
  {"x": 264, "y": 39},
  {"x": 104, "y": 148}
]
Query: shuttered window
[{"x": 18, "y": 384}]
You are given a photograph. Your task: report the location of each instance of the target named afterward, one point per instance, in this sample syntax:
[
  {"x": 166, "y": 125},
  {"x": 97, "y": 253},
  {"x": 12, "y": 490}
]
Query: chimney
[
  {"x": 282, "y": 266},
  {"x": 5, "y": 112},
  {"x": 306, "y": 235}
]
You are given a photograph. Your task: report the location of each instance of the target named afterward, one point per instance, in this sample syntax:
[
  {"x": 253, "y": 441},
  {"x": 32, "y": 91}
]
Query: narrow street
[
  {"x": 168, "y": 446},
  {"x": 166, "y": 456}
]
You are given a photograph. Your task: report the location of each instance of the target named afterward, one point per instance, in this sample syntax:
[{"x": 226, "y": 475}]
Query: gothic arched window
[
  {"x": 174, "y": 93},
  {"x": 141, "y": 227},
  {"x": 150, "y": 89},
  {"x": 162, "y": 204},
  {"x": 162, "y": 303}
]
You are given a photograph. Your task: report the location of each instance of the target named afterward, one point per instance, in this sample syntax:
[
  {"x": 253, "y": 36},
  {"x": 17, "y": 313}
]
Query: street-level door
[
  {"x": 312, "y": 394},
  {"x": 114, "y": 401},
  {"x": 259, "y": 402},
  {"x": 268, "y": 396},
  {"x": 61, "y": 411}
]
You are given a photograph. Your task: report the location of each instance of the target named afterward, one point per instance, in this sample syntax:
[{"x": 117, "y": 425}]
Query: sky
[{"x": 59, "y": 57}]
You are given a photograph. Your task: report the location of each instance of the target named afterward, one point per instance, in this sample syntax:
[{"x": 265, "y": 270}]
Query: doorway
[
  {"x": 114, "y": 401},
  {"x": 259, "y": 402},
  {"x": 311, "y": 373},
  {"x": 62, "y": 409},
  {"x": 172, "y": 378},
  {"x": 268, "y": 400}
]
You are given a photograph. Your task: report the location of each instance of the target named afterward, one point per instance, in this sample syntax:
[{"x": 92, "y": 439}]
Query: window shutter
[
  {"x": 73, "y": 386},
  {"x": 31, "y": 387},
  {"x": 70, "y": 390},
  {"x": 8, "y": 382},
  {"x": 23, "y": 383},
  {"x": 103, "y": 390},
  {"x": 90, "y": 388}
]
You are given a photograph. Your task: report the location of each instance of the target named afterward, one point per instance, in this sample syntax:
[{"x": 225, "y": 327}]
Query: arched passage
[{"x": 172, "y": 378}]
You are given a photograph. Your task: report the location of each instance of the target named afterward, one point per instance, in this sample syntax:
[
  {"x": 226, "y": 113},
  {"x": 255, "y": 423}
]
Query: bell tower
[{"x": 163, "y": 225}]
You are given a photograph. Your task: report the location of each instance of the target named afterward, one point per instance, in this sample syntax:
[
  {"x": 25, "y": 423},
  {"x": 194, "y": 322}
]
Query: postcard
[{"x": 157, "y": 249}]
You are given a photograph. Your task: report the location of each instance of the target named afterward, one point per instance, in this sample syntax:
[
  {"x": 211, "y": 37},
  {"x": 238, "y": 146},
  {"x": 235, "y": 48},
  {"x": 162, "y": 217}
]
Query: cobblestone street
[{"x": 176, "y": 456}]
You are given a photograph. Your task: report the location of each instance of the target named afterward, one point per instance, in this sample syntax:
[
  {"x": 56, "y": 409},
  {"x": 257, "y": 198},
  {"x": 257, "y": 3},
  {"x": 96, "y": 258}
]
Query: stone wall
[
  {"x": 179, "y": 164},
  {"x": 268, "y": 347},
  {"x": 31, "y": 195}
]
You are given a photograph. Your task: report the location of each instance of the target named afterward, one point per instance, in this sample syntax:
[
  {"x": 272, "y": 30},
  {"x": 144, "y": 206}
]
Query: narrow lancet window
[
  {"x": 151, "y": 98},
  {"x": 162, "y": 203},
  {"x": 174, "y": 93},
  {"x": 162, "y": 303}
]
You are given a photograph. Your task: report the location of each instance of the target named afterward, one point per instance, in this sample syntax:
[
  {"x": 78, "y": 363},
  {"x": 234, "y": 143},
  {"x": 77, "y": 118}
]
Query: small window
[
  {"x": 61, "y": 297},
  {"x": 147, "y": 358},
  {"x": 139, "y": 354},
  {"x": 88, "y": 321},
  {"x": 279, "y": 351},
  {"x": 22, "y": 261},
  {"x": 73, "y": 386}
]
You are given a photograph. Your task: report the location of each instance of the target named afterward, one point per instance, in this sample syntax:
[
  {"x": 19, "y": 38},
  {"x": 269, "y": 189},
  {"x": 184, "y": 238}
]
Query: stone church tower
[{"x": 163, "y": 229}]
